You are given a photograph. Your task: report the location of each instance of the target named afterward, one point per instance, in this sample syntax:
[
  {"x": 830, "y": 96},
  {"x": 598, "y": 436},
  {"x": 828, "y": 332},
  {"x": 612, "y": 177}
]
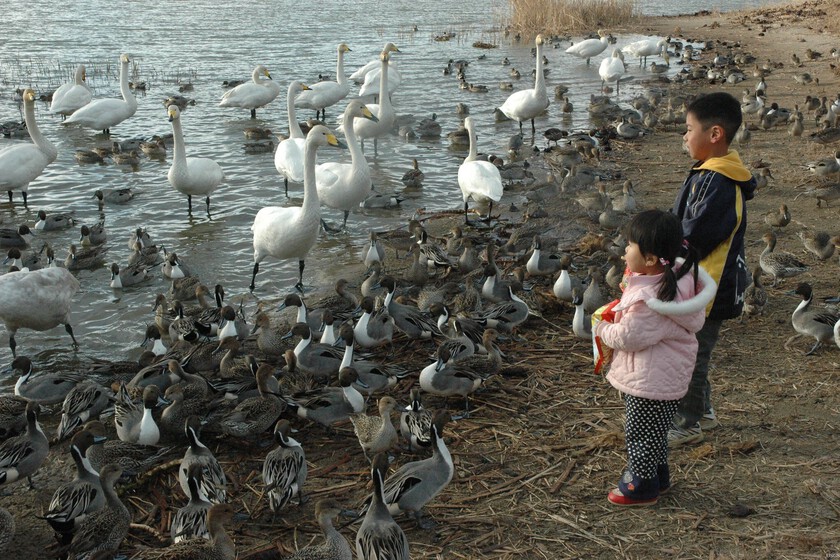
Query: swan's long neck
[
  {"x": 311, "y": 204},
  {"x": 128, "y": 97},
  {"x": 35, "y": 133},
  {"x": 473, "y": 148},
  {"x": 256, "y": 77},
  {"x": 357, "y": 157},
  {"x": 294, "y": 127},
  {"x": 384, "y": 99},
  {"x": 339, "y": 69},
  {"x": 80, "y": 72},
  {"x": 179, "y": 151},
  {"x": 539, "y": 82}
]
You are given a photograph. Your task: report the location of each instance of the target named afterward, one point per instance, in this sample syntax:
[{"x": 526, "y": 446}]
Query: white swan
[
  {"x": 479, "y": 180},
  {"x": 72, "y": 97},
  {"x": 22, "y": 163},
  {"x": 191, "y": 176},
  {"x": 344, "y": 185},
  {"x": 372, "y": 77},
  {"x": 326, "y": 94},
  {"x": 37, "y": 300},
  {"x": 612, "y": 69},
  {"x": 102, "y": 114},
  {"x": 590, "y": 47},
  {"x": 645, "y": 48},
  {"x": 254, "y": 94},
  {"x": 384, "y": 112},
  {"x": 528, "y": 103},
  {"x": 288, "y": 158},
  {"x": 290, "y": 232},
  {"x": 359, "y": 75}
]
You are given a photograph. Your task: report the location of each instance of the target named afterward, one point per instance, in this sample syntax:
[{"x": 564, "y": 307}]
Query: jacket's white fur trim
[{"x": 692, "y": 305}]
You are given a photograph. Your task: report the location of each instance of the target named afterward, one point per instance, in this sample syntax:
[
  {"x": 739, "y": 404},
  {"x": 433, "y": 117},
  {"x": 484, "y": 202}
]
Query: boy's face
[{"x": 702, "y": 143}]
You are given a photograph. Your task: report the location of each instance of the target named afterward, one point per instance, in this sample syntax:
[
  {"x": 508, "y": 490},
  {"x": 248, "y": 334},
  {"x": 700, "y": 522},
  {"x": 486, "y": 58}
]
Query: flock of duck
[{"x": 233, "y": 377}]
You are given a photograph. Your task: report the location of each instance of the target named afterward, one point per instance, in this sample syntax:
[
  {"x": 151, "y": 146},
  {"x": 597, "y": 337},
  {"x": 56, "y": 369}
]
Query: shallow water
[{"x": 203, "y": 43}]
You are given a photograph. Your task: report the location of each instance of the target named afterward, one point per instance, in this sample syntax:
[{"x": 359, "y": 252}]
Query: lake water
[{"x": 205, "y": 42}]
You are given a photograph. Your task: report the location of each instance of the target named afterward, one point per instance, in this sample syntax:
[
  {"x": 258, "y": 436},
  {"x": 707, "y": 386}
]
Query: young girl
[{"x": 652, "y": 336}]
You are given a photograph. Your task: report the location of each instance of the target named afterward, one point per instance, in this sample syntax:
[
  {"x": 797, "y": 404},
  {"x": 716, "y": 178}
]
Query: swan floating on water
[
  {"x": 290, "y": 232},
  {"x": 254, "y": 94},
  {"x": 102, "y": 114},
  {"x": 69, "y": 98},
  {"x": 326, "y": 94},
  {"x": 191, "y": 176},
  {"x": 22, "y": 163}
]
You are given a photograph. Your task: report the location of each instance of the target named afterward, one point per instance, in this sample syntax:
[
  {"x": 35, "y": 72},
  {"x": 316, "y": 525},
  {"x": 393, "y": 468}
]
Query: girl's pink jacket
[{"x": 654, "y": 340}]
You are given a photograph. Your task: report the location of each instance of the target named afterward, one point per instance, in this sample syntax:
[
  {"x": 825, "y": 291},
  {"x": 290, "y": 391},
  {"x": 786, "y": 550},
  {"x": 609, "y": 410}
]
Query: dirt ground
[{"x": 541, "y": 450}]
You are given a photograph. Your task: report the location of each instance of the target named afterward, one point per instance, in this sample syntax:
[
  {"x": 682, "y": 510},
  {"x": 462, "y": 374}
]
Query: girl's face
[{"x": 640, "y": 263}]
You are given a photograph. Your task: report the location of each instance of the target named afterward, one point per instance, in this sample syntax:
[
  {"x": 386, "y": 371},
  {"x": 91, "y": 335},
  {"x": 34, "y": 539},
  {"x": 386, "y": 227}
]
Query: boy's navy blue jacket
[{"x": 712, "y": 206}]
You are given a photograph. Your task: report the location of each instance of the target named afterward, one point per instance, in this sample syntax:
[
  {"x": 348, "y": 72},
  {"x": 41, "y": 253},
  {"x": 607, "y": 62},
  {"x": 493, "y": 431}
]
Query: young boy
[{"x": 712, "y": 206}]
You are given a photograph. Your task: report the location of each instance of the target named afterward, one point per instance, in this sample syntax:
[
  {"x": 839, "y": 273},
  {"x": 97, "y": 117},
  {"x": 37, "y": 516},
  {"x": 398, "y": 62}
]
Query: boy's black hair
[
  {"x": 718, "y": 108},
  {"x": 661, "y": 234}
]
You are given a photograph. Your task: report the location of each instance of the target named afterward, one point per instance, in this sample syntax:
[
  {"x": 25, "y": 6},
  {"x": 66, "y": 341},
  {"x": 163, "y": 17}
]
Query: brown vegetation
[{"x": 530, "y": 17}]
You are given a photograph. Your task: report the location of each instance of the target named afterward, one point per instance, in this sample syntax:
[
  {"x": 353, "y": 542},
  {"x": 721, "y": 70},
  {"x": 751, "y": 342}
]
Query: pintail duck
[
  {"x": 85, "y": 258},
  {"x": 218, "y": 547},
  {"x": 755, "y": 297},
  {"x": 173, "y": 266},
  {"x": 780, "y": 219},
  {"x": 316, "y": 359},
  {"x": 372, "y": 377},
  {"x": 335, "y": 546},
  {"x": 113, "y": 196},
  {"x": 20, "y": 237},
  {"x": 581, "y": 322},
  {"x": 380, "y": 536},
  {"x": 133, "y": 458},
  {"x": 255, "y": 415},
  {"x": 371, "y": 286},
  {"x": 191, "y": 520},
  {"x": 540, "y": 264},
  {"x": 817, "y": 323},
  {"x": 593, "y": 296},
  {"x": 376, "y": 434},
  {"x": 341, "y": 302},
  {"x": 373, "y": 329},
  {"x": 284, "y": 469},
  {"x": 331, "y": 405},
  {"x": 328, "y": 333},
  {"x": 434, "y": 254},
  {"x": 213, "y": 481},
  {"x": 104, "y": 529},
  {"x": 92, "y": 235},
  {"x": 779, "y": 265},
  {"x": 53, "y": 221},
  {"x": 271, "y": 339},
  {"x": 84, "y": 401},
  {"x": 565, "y": 283},
  {"x": 413, "y": 179},
  {"x": 12, "y": 416},
  {"x": 74, "y": 500},
  {"x": 14, "y": 258},
  {"x": 143, "y": 256},
  {"x": 229, "y": 367},
  {"x": 153, "y": 337},
  {"x": 507, "y": 314},
  {"x": 407, "y": 318},
  {"x": 415, "y": 484},
  {"x": 179, "y": 409},
  {"x": 135, "y": 423},
  {"x": 446, "y": 380},
  {"x": 45, "y": 389},
  {"x": 184, "y": 289},
  {"x": 415, "y": 423},
  {"x": 494, "y": 288},
  {"x": 313, "y": 318},
  {"x": 22, "y": 455},
  {"x": 374, "y": 251},
  {"x": 400, "y": 239},
  {"x": 819, "y": 243},
  {"x": 128, "y": 276}
]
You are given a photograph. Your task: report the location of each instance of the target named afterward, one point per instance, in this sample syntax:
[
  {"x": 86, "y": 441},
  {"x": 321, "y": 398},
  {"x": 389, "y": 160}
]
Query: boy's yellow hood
[{"x": 729, "y": 165}]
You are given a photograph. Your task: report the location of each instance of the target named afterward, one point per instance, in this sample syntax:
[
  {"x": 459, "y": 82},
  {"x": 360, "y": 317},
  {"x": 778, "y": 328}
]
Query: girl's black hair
[{"x": 660, "y": 233}]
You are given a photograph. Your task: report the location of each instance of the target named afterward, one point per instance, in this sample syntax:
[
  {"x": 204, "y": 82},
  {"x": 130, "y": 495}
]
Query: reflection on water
[{"x": 203, "y": 43}]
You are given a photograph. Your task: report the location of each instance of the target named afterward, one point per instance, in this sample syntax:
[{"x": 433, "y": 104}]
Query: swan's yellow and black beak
[
  {"x": 393, "y": 48},
  {"x": 267, "y": 75},
  {"x": 173, "y": 113},
  {"x": 345, "y": 48},
  {"x": 124, "y": 59},
  {"x": 304, "y": 87},
  {"x": 333, "y": 141},
  {"x": 368, "y": 115},
  {"x": 29, "y": 95}
]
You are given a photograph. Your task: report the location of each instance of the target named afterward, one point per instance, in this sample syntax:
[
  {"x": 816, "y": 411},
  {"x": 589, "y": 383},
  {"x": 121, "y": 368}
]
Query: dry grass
[{"x": 530, "y": 17}]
